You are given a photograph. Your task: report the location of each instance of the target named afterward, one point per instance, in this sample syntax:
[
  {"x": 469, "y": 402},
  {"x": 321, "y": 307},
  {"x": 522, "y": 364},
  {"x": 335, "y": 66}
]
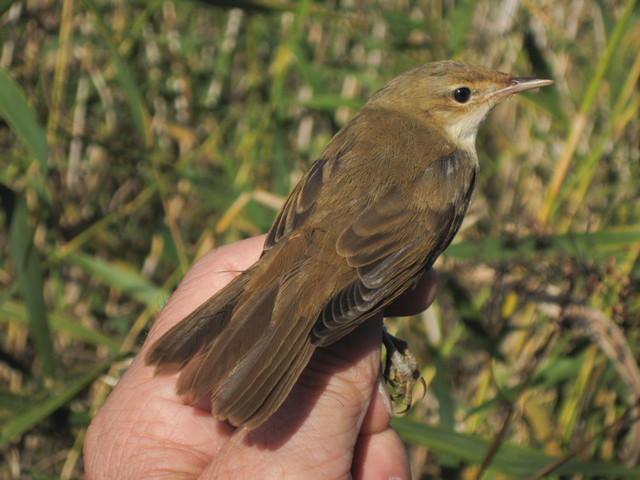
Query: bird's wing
[
  {"x": 298, "y": 205},
  {"x": 394, "y": 240}
]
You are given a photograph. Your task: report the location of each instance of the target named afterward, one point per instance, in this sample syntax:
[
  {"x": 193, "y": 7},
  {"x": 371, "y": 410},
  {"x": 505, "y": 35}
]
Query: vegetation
[{"x": 140, "y": 135}]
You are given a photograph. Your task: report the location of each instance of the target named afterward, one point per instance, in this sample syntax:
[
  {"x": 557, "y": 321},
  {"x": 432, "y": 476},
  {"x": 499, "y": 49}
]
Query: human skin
[{"x": 334, "y": 424}]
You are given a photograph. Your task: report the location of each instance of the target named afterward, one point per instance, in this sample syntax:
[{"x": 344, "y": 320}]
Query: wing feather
[
  {"x": 394, "y": 240},
  {"x": 298, "y": 205}
]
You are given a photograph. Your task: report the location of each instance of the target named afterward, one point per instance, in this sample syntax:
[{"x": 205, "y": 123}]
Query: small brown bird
[{"x": 382, "y": 202}]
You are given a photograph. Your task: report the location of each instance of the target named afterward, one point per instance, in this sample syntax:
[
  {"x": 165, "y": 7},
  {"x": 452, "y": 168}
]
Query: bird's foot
[{"x": 401, "y": 369}]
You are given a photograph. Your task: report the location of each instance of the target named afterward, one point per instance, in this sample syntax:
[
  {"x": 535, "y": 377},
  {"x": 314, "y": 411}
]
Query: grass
[{"x": 139, "y": 135}]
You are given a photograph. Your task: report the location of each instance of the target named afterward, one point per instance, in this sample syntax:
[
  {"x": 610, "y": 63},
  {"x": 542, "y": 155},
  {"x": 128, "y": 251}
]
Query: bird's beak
[{"x": 520, "y": 84}]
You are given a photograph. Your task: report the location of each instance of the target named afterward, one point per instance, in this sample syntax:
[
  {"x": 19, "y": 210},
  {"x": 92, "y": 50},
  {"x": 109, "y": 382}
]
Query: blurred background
[{"x": 136, "y": 136}]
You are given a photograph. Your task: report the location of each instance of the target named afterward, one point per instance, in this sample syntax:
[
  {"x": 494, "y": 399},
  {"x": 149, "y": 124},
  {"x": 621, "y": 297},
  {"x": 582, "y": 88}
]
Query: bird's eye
[{"x": 462, "y": 94}]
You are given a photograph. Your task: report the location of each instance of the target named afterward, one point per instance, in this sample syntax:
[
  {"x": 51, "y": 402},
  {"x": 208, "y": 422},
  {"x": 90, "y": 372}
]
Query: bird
[{"x": 375, "y": 210}]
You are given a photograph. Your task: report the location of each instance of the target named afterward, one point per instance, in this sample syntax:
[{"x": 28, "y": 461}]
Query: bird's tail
[{"x": 246, "y": 346}]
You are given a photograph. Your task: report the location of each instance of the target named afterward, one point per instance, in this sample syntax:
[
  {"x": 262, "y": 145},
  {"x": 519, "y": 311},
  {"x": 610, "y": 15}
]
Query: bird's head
[{"x": 451, "y": 95}]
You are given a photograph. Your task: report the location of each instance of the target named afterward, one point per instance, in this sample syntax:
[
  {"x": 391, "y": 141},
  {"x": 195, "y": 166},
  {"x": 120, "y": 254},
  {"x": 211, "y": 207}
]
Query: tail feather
[
  {"x": 268, "y": 391},
  {"x": 263, "y": 377},
  {"x": 176, "y": 348},
  {"x": 274, "y": 397},
  {"x": 250, "y": 320}
]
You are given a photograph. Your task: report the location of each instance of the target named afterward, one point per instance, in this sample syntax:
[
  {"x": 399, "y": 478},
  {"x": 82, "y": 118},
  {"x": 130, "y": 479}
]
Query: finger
[
  {"x": 380, "y": 456},
  {"x": 416, "y": 299},
  {"x": 380, "y": 410}
]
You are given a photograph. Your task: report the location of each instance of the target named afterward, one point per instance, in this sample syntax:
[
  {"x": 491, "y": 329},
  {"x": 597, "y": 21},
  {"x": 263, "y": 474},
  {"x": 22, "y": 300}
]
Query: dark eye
[{"x": 462, "y": 94}]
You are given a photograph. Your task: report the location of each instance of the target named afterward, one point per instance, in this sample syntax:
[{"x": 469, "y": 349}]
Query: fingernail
[{"x": 382, "y": 388}]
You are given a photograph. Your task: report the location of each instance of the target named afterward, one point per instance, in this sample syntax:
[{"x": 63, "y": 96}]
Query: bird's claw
[{"x": 401, "y": 370}]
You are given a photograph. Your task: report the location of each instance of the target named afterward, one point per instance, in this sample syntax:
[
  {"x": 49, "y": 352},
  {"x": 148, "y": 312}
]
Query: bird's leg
[{"x": 400, "y": 369}]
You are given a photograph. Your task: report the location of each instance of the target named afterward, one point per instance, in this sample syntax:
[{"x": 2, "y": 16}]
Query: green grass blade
[
  {"x": 134, "y": 100},
  {"x": 12, "y": 402},
  {"x": 22, "y": 119},
  {"x": 30, "y": 277},
  {"x": 36, "y": 413},
  {"x": 589, "y": 97},
  {"x": 461, "y": 21},
  {"x": 513, "y": 460},
  {"x": 12, "y": 310},
  {"x": 122, "y": 277},
  {"x": 602, "y": 242},
  {"x": 5, "y": 5},
  {"x": 605, "y": 61}
]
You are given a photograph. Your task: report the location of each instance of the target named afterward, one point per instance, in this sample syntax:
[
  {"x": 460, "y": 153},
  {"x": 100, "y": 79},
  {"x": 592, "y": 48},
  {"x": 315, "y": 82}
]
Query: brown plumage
[{"x": 385, "y": 198}]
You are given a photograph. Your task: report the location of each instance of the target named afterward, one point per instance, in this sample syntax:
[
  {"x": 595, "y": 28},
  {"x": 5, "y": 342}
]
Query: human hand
[{"x": 334, "y": 424}]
